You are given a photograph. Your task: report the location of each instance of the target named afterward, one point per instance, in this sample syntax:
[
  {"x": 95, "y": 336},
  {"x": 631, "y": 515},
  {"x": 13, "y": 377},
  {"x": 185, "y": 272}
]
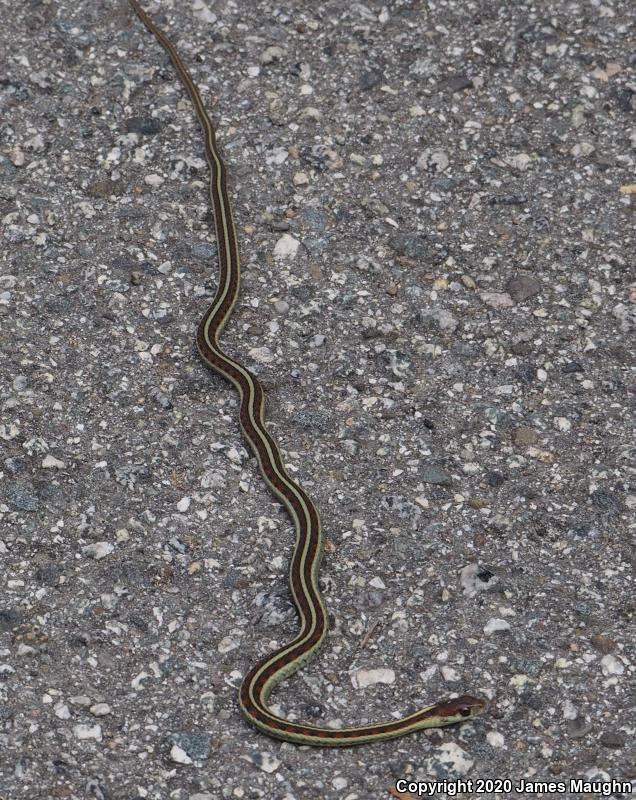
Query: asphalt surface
[{"x": 435, "y": 206}]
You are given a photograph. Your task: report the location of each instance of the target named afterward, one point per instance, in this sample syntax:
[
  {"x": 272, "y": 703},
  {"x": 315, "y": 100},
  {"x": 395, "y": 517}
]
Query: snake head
[{"x": 460, "y": 708}]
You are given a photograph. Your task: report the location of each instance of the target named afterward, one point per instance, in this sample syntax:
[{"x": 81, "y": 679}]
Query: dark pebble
[
  {"x": 23, "y": 497},
  {"x": 204, "y": 251},
  {"x": 572, "y": 367},
  {"x": 195, "y": 743},
  {"x": 522, "y": 287},
  {"x": 147, "y": 126},
  {"x": 615, "y": 740},
  {"x": 435, "y": 475},
  {"x": 578, "y": 728},
  {"x": 605, "y": 502},
  {"x": 456, "y": 84},
  {"x": 369, "y": 79},
  {"x": 495, "y": 479},
  {"x": 408, "y": 244}
]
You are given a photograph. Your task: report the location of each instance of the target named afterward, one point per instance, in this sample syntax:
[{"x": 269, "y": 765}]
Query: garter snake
[{"x": 305, "y": 562}]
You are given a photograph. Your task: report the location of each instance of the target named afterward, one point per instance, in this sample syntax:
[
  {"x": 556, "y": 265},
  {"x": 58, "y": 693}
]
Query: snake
[{"x": 267, "y": 673}]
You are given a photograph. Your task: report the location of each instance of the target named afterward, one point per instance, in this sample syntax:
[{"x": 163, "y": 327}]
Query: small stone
[
  {"x": 495, "y": 479},
  {"x": 370, "y": 78},
  {"x": 410, "y": 245},
  {"x": 286, "y": 247},
  {"x": 80, "y": 700},
  {"x": 435, "y": 475},
  {"x": 520, "y": 161},
  {"x": 98, "y": 550},
  {"x": 474, "y": 579},
  {"x": 433, "y": 160},
  {"x": 193, "y": 745},
  {"x": 62, "y": 711},
  {"x": 496, "y": 299},
  {"x": 281, "y": 306},
  {"x": 100, "y": 709},
  {"x": 103, "y": 188},
  {"x": 613, "y": 740},
  {"x": 23, "y": 497},
  {"x": 605, "y": 502},
  {"x": 204, "y": 251},
  {"x": 403, "y": 508},
  {"x": 572, "y": 367},
  {"x": 153, "y": 180},
  {"x": 147, "y": 126},
  {"x": 88, "y": 732},
  {"x": 362, "y": 678},
  {"x": 522, "y": 287},
  {"x": 226, "y": 645},
  {"x": 456, "y": 84},
  {"x": 208, "y": 700},
  {"x": 578, "y": 727},
  {"x": 271, "y": 54},
  {"x": 179, "y": 756},
  {"x": 16, "y": 156},
  {"x": 448, "y": 762},
  {"x": 604, "y": 644},
  {"x": 524, "y": 436},
  {"x": 495, "y": 739},
  {"x": 441, "y": 318},
  {"x": 495, "y": 625},
  {"x": 449, "y": 674},
  {"x": 582, "y": 149},
  {"x": 50, "y": 462},
  {"x": 184, "y": 504},
  {"x": 264, "y": 761},
  {"x": 611, "y": 665}
]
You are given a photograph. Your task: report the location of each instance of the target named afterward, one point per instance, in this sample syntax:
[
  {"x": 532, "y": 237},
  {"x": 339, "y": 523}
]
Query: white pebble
[
  {"x": 612, "y": 665},
  {"x": 362, "y": 678},
  {"x": 100, "y": 709},
  {"x": 50, "y": 462},
  {"x": 62, "y": 711},
  {"x": 286, "y": 246},
  {"x": 449, "y": 674},
  {"x": 495, "y": 739},
  {"x": 88, "y": 732},
  {"x": 98, "y": 550},
  {"x": 179, "y": 756},
  {"x": 183, "y": 504},
  {"x": 451, "y": 758},
  {"x": 497, "y": 299},
  {"x": 495, "y": 625},
  {"x": 227, "y": 644},
  {"x": 80, "y": 700},
  {"x": 153, "y": 180}
]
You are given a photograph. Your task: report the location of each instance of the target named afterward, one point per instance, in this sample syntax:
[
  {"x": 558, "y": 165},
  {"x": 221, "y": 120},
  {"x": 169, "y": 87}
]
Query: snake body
[{"x": 305, "y": 562}]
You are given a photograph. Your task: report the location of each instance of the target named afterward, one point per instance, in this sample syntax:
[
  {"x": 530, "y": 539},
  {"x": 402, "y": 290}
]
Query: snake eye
[{"x": 464, "y": 711}]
